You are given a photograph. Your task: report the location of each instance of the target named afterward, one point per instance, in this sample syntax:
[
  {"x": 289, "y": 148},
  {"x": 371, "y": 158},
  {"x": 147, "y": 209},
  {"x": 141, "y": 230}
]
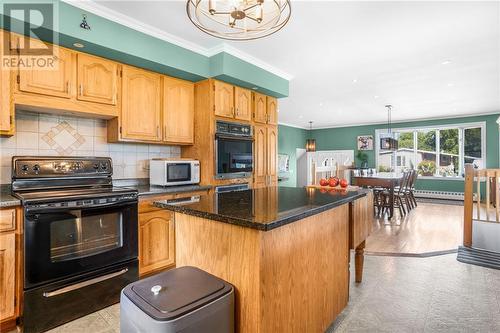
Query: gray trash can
[{"x": 184, "y": 299}]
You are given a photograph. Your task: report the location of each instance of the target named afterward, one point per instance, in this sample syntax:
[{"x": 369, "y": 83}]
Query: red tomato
[
  {"x": 344, "y": 183},
  {"x": 333, "y": 182},
  {"x": 323, "y": 182}
]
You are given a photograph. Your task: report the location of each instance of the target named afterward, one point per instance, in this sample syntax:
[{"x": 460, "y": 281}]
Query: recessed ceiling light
[
  {"x": 320, "y": 104},
  {"x": 355, "y": 80},
  {"x": 451, "y": 84},
  {"x": 376, "y": 96},
  {"x": 255, "y": 88},
  {"x": 446, "y": 62},
  {"x": 78, "y": 45}
]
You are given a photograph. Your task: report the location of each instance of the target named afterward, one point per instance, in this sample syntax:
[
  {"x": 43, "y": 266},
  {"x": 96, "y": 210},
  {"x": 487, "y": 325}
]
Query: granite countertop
[
  {"x": 6, "y": 199},
  {"x": 144, "y": 188},
  {"x": 264, "y": 208}
]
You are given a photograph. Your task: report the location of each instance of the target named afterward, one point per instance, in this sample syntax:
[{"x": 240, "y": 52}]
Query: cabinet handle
[
  {"x": 165, "y": 132},
  {"x": 81, "y": 89},
  {"x": 232, "y": 109},
  {"x": 236, "y": 111},
  {"x": 158, "y": 131},
  {"x": 68, "y": 86}
]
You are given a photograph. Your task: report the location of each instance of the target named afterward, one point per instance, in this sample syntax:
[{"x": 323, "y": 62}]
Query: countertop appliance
[
  {"x": 171, "y": 172},
  {"x": 80, "y": 237},
  {"x": 233, "y": 150}
]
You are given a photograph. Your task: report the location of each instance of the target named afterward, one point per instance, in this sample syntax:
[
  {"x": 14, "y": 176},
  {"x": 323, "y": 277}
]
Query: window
[{"x": 440, "y": 151}]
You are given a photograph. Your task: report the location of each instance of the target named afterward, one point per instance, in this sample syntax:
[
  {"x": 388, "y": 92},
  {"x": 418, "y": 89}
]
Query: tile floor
[{"x": 436, "y": 294}]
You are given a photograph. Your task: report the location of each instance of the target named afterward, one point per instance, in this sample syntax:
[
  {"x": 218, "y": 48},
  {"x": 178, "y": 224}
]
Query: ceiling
[{"x": 348, "y": 60}]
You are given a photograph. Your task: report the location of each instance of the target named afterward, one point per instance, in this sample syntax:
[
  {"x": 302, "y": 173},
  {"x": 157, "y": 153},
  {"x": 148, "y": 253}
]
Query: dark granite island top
[{"x": 264, "y": 208}]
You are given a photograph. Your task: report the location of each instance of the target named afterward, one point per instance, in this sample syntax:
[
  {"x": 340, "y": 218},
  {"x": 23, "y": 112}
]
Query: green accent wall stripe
[{"x": 117, "y": 42}]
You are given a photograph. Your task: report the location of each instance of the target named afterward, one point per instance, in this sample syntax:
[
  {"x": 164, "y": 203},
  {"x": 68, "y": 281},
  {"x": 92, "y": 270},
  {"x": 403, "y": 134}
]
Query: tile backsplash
[{"x": 54, "y": 135}]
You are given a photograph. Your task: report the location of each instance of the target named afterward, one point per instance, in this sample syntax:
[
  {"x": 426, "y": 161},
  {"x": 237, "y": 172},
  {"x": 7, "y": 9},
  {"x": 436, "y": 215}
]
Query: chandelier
[{"x": 239, "y": 19}]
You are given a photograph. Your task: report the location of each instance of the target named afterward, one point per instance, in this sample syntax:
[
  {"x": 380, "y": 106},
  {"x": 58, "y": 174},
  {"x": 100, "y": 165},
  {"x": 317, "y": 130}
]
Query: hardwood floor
[{"x": 428, "y": 228}]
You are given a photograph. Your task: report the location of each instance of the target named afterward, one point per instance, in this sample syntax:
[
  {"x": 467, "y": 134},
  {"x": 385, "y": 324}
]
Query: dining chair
[{"x": 400, "y": 199}]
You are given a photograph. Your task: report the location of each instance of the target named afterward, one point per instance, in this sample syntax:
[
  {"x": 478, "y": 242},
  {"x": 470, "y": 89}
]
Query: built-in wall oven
[
  {"x": 233, "y": 150},
  {"x": 80, "y": 238}
]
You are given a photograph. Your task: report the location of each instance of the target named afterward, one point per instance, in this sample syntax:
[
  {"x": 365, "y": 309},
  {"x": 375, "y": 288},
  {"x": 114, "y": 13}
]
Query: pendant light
[
  {"x": 310, "y": 143},
  {"x": 389, "y": 143}
]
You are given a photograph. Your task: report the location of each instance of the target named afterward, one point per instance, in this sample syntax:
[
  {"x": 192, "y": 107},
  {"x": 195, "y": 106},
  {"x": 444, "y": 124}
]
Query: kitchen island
[{"x": 286, "y": 251}]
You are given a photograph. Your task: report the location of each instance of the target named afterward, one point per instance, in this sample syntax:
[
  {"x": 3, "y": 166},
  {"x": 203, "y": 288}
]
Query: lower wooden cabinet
[
  {"x": 8, "y": 275},
  {"x": 156, "y": 241}
]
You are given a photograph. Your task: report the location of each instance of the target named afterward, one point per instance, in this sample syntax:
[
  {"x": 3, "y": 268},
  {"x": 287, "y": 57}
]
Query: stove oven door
[{"x": 61, "y": 242}]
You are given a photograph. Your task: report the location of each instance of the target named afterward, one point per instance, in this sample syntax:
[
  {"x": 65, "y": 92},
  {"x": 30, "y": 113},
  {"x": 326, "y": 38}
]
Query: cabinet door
[
  {"x": 5, "y": 109},
  {"x": 7, "y": 275},
  {"x": 55, "y": 82},
  {"x": 272, "y": 111},
  {"x": 243, "y": 104},
  {"x": 259, "y": 108},
  {"x": 178, "y": 110},
  {"x": 156, "y": 241},
  {"x": 260, "y": 156},
  {"x": 97, "y": 80},
  {"x": 272, "y": 155},
  {"x": 141, "y": 105},
  {"x": 223, "y": 99}
]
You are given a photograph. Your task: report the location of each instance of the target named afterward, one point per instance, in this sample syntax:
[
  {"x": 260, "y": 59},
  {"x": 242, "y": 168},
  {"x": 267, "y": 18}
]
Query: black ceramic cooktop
[{"x": 264, "y": 208}]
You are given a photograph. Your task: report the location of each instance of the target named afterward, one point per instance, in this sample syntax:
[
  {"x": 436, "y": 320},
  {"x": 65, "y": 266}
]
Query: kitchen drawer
[{"x": 7, "y": 219}]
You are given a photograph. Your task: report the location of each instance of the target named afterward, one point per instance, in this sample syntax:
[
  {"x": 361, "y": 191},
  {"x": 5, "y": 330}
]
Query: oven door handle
[
  {"x": 65, "y": 208},
  {"x": 233, "y": 137},
  {"x": 80, "y": 285}
]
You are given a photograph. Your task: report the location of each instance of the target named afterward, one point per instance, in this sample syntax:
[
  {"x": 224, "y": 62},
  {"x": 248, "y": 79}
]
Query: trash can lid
[{"x": 171, "y": 294}]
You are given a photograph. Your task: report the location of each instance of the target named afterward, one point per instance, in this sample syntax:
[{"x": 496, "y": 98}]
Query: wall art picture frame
[{"x": 365, "y": 142}]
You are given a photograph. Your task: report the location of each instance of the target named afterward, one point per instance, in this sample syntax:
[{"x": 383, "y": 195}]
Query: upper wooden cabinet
[
  {"x": 223, "y": 99},
  {"x": 260, "y": 108},
  {"x": 97, "y": 79},
  {"x": 272, "y": 110},
  {"x": 141, "y": 105},
  {"x": 243, "y": 104},
  {"x": 55, "y": 82},
  {"x": 6, "y": 111},
  {"x": 178, "y": 111}
]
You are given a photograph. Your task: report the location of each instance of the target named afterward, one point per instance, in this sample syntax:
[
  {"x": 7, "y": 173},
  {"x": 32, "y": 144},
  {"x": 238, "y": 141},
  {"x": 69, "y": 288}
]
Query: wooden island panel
[{"x": 294, "y": 278}]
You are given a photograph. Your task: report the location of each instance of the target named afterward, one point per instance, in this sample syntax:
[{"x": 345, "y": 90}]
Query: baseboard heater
[{"x": 439, "y": 195}]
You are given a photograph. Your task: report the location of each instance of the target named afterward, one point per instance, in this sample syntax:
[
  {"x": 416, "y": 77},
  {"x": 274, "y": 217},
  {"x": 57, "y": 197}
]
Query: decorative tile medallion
[{"x": 63, "y": 138}]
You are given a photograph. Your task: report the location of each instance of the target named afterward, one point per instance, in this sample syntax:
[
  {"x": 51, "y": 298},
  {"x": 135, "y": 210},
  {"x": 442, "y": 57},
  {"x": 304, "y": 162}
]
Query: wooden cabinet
[
  {"x": 223, "y": 99},
  {"x": 260, "y": 156},
  {"x": 243, "y": 104},
  {"x": 272, "y": 155},
  {"x": 6, "y": 111},
  {"x": 272, "y": 110},
  {"x": 259, "y": 108},
  {"x": 55, "y": 82},
  {"x": 7, "y": 275},
  {"x": 97, "y": 79},
  {"x": 141, "y": 105},
  {"x": 178, "y": 111},
  {"x": 265, "y": 156},
  {"x": 156, "y": 241}
]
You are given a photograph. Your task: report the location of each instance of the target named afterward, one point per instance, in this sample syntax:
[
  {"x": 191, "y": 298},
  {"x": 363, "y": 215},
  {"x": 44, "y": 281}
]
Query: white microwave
[{"x": 170, "y": 172}]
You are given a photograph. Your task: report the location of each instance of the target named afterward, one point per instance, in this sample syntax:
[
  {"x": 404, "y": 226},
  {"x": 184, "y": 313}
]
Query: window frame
[{"x": 461, "y": 140}]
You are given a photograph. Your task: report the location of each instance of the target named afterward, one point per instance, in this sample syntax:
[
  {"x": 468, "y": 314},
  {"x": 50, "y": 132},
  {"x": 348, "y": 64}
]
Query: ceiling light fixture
[
  {"x": 239, "y": 19},
  {"x": 446, "y": 62},
  {"x": 310, "y": 143},
  {"x": 388, "y": 142}
]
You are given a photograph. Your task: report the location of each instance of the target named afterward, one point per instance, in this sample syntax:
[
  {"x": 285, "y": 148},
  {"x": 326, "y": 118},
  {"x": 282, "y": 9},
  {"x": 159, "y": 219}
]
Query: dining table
[{"x": 387, "y": 180}]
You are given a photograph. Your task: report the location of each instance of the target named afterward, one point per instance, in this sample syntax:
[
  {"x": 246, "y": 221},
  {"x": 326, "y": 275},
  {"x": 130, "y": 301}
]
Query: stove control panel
[{"x": 47, "y": 167}]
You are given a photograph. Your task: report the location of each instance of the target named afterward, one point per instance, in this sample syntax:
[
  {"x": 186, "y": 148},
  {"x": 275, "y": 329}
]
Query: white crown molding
[
  {"x": 223, "y": 47},
  {"x": 109, "y": 14},
  {"x": 409, "y": 120},
  {"x": 292, "y": 125}
]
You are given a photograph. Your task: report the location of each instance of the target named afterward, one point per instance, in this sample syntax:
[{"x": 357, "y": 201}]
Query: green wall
[
  {"x": 346, "y": 138},
  {"x": 120, "y": 43},
  {"x": 289, "y": 139}
]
